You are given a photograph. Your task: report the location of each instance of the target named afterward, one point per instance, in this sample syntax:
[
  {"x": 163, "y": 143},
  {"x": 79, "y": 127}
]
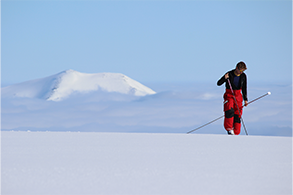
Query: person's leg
[
  {"x": 237, "y": 123},
  {"x": 237, "y": 115},
  {"x": 229, "y": 113}
]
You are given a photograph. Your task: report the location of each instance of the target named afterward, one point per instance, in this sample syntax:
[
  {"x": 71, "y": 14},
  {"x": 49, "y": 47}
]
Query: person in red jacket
[{"x": 238, "y": 81}]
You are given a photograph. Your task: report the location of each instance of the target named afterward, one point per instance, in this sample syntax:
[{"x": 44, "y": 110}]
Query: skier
[{"x": 238, "y": 81}]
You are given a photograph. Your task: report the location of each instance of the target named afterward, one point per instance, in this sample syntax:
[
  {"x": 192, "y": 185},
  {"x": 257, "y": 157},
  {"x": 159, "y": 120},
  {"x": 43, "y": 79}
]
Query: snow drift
[{"x": 62, "y": 85}]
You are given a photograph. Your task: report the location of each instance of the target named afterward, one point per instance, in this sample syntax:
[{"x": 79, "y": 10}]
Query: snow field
[{"x": 138, "y": 163}]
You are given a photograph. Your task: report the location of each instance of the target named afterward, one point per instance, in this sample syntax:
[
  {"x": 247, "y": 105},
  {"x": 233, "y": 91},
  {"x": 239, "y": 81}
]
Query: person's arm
[
  {"x": 244, "y": 91},
  {"x": 223, "y": 79}
]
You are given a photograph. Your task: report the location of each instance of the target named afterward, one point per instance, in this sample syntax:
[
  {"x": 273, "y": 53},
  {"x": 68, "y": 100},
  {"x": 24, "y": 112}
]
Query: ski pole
[
  {"x": 268, "y": 93},
  {"x": 237, "y": 107},
  {"x": 205, "y": 124}
]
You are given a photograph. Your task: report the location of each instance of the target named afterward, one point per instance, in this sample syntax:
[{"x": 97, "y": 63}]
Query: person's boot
[{"x": 230, "y": 132}]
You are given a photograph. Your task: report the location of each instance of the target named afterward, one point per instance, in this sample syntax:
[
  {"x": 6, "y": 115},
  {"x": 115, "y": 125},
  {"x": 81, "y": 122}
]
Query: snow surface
[
  {"x": 129, "y": 163},
  {"x": 62, "y": 85}
]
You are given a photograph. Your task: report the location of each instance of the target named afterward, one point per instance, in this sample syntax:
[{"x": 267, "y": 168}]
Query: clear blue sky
[{"x": 149, "y": 41}]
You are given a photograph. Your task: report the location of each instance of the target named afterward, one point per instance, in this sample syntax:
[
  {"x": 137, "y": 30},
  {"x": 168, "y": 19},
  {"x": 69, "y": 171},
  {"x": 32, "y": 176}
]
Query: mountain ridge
[{"x": 60, "y": 86}]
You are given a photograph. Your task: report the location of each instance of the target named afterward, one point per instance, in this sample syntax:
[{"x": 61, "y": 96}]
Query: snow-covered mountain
[{"x": 62, "y": 85}]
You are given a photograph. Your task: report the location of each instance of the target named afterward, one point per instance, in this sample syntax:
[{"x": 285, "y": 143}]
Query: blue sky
[{"x": 149, "y": 41}]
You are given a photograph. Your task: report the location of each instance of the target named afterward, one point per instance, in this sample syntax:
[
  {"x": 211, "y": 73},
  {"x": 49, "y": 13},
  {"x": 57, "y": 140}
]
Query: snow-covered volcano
[{"x": 62, "y": 85}]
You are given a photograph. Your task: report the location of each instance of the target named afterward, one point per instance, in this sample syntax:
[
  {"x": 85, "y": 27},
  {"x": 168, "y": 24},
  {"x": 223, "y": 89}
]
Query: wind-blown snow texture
[{"x": 115, "y": 163}]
